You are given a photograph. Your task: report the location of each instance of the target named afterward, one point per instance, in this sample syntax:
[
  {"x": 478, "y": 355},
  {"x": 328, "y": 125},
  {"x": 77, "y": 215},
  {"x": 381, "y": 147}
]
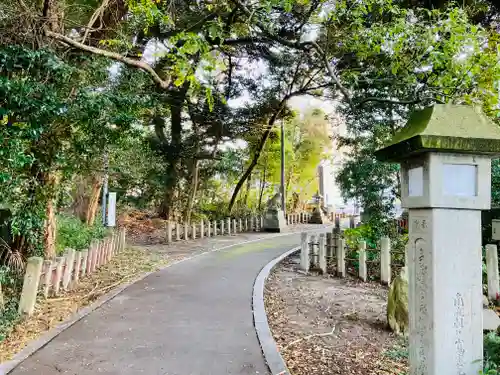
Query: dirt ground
[{"x": 326, "y": 326}]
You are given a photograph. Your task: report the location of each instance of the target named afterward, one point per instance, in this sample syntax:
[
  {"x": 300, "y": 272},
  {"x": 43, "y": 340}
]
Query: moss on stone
[
  {"x": 445, "y": 128},
  {"x": 397, "y": 304}
]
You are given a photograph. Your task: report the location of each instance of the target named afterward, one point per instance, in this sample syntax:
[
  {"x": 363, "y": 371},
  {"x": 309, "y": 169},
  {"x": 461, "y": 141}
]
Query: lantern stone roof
[{"x": 444, "y": 128}]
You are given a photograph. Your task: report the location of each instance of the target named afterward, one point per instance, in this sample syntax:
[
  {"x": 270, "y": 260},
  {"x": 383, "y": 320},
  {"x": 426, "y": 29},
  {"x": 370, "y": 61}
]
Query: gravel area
[{"x": 324, "y": 325}]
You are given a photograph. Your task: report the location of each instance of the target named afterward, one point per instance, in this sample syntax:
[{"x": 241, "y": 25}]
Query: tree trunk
[
  {"x": 49, "y": 231},
  {"x": 256, "y": 156},
  {"x": 194, "y": 189},
  {"x": 247, "y": 191},
  {"x": 50, "y": 182},
  {"x": 262, "y": 187},
  {"x": 86, "y": 198},
  {"x": 173, "y": 158}
]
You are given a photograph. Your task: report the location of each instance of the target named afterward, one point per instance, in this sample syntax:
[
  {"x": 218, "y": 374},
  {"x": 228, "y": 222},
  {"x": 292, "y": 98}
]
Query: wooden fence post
[
  {"x": 30, "y": 285},
  {"x": 186, "y": 232},
  {"x": 202, "y": 228},
  {"x": 261, "y": 223},
  {"x": 305, "y": 262},
  {"x": 385, "y": 261},
  {"x": 78, "y": 265},
  {"x": 222, "y": 230},
  {"x": 90, "y": 254},
  {"x": 322, "y": 253},
  {"x": 215, "y": 228},
  {"x": 193, "y": 231},
  {"x": 59, "y": 272},
  {"x": 102, "y": 254},
  {"x": 363, "y": 274},
  {"x": 169, "y": 232},
  {"x": 329, "y": 244},
  {"x": 68, "y": 270},
  {"x": 47, "y": 279},
  {"x": 341, "y": 257},
  {"x": 314, "y": 251},
  {"x": 235, "y": 227},
  {"x": 246, "y": 223},
  {"x": 492, "y": 270},
  {"x": 240, "y": 224},
  {"x": 85, "y": 259}
]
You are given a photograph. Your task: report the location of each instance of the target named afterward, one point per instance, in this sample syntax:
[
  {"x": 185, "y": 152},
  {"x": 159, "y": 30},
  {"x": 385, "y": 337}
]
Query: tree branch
[
  {"x": 112, "y": 55},
  {"x": 331, "y": 73},
  {"x": 393, "y": 101}
]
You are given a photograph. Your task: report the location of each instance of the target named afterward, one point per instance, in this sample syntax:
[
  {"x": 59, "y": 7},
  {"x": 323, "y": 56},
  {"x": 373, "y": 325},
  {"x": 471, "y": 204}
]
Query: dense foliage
[{"x": 183, "y": 99}]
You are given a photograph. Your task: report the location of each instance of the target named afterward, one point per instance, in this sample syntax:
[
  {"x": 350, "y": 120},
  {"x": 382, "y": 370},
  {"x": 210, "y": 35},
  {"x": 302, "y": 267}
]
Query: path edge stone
[
  {"x": 48, "y": 336},
  {"x": 273, "y": 357}
]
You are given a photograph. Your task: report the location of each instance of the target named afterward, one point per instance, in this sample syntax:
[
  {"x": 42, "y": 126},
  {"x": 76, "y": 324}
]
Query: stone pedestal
[
  {"x": 445, "y": 295},
  {"x": 318, "y": 217},
  {"x": 445, "y": 154},
  {"x": 274, "y": 220}
]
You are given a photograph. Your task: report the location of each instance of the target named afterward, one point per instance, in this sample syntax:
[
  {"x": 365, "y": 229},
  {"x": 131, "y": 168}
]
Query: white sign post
[
  {"x": 445, "y": 154},
  {"x": 111, "y": 221}
]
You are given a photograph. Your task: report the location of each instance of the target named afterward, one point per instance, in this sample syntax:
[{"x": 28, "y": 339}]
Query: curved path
[{"x": 194, "y": 318}]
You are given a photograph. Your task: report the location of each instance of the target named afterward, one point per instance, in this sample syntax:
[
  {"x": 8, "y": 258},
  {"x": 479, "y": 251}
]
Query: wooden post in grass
[
  {"x": 59, "y": 272},
  {"x": 30, "y": 285},
  {"x": 47, "y": 277},
  {"x": 363, "y": 274},
  {"x": 341, "y": 257},
  {"x": 314, "y": 251},
  {"x": 492, "y": 270},
  {"x": 385, "y": 260},
  {"x": 68, "y": 270},
  {"x": 322, "y": 253},
  {"x": 305, "y": 262},
  {"x": 85, "y": 257},
  {"x": 78, "y": 264}
]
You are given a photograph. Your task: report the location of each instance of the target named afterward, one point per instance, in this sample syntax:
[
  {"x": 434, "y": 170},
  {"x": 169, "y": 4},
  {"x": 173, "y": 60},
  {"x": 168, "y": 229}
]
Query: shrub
[
  {"x": 492, "y": 354},
  {"x": 72, "y": 233},
  {"x": 11, "y": 281}
]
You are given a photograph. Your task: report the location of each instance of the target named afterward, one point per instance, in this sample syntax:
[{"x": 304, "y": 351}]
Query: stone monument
[
  {"x": 274, "y": 218},
  {"x": 445, "y": 154}
]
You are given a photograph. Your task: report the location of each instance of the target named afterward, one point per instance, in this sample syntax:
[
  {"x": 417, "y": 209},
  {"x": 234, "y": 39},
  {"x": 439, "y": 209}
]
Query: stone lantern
[{"x": 445, "y": 155}]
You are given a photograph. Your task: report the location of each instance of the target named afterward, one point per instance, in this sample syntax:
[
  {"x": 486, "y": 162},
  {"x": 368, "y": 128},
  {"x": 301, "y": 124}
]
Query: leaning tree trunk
[
  {"x": 192, "y": 194},
  {"x": 256, "y": 155},
  {"x": 262, "y": 187}
]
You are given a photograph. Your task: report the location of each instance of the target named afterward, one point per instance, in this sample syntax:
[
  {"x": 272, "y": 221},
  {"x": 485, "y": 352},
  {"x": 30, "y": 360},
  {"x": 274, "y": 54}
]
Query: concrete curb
[
  {"x": 48, "y": 336},
  {"x": 272, "y": 355}
]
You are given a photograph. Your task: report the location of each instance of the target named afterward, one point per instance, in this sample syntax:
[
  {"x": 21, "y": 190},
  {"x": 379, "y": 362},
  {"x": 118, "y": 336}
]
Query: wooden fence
[
  {"x": 48, "y": 277},
  {"x": 329, "y": 253},
  {"x": 178, "y": 231}
]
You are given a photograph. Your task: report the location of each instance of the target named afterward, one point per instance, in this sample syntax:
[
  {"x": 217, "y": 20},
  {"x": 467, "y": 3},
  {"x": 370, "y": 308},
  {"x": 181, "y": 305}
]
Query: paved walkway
[{"x": 193, "y": 318}]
